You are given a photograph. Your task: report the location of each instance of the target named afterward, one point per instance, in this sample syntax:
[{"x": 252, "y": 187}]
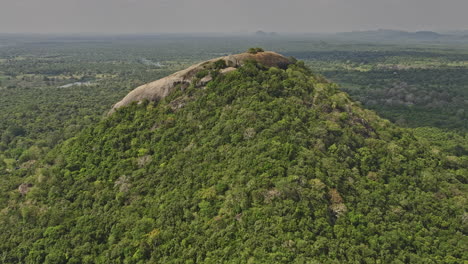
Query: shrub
[
  {"x": 202, "y": 74},
  {"x": 219, "y": 64},
  {"x": 254, "y": 50}
]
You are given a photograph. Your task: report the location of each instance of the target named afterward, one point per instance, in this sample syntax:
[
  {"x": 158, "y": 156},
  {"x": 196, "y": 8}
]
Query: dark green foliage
[
  {"x": 262, "y": 166},
  {"x": 202, "y": 74},
  {"x": 255, "y": 50},
  {"x": 219, "y": 64}
]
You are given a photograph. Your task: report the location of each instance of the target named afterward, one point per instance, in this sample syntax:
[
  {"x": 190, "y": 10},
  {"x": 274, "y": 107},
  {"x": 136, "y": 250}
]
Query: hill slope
[{"x": 258, "y": 165}]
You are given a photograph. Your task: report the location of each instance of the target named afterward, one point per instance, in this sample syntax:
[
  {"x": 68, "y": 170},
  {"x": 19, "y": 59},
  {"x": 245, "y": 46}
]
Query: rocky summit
[{"x": 161, "y": 88}]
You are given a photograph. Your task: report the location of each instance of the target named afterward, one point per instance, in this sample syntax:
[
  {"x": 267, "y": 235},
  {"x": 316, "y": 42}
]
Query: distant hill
[
  {"x": 262, "y": 33},
  {"x": 425, "y": 35},
  {"x": 385, "y": 34},
  {"x": 249, "y": 158}
]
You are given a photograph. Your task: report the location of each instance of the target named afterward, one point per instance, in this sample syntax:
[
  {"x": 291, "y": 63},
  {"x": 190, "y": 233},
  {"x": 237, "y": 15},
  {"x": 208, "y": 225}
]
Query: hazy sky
[{"x": 152, "y": 16}]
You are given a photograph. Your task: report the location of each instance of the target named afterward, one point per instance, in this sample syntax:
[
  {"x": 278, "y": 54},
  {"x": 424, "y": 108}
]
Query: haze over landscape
[
  {"x": 162, "y": 16},
  {"x": 207, "y": 131}
]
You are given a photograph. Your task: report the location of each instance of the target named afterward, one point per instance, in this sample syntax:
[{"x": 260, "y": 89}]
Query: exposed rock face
[{"x": 161, "y": 88}]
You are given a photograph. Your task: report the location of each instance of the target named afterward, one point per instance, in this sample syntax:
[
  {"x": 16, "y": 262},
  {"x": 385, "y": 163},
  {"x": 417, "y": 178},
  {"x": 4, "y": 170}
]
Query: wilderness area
[{"x": 356, "y": 150}]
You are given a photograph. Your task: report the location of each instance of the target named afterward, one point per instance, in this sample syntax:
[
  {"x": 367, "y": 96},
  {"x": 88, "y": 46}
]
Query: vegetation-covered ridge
[{"x": 263, "y": 165}]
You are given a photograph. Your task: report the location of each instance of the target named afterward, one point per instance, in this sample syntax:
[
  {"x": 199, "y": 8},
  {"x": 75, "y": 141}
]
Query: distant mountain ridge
[{"x": 399, "y": 34}]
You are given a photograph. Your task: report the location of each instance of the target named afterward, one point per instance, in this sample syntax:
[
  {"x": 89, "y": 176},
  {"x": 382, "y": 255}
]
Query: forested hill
[{"x": 255, "y": 165}]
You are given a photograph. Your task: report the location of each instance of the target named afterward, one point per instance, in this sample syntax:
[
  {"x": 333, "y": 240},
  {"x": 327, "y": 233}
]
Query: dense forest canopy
[
  {"x": 269, "y": 165},
  {"x": 261, "y": 165}
]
